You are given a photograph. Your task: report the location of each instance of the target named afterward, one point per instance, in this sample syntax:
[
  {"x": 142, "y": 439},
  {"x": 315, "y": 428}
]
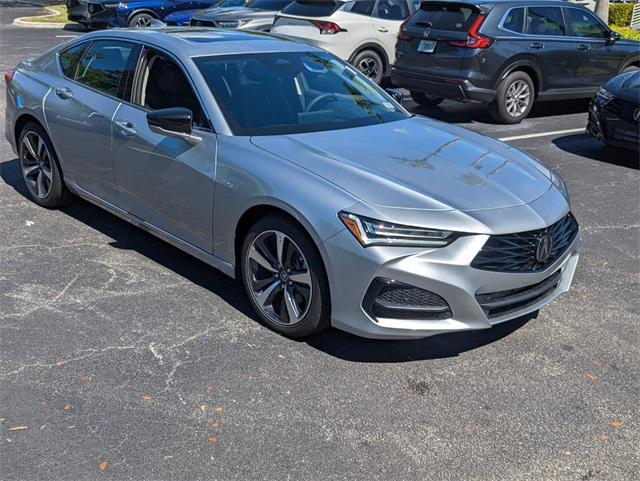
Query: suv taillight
[
  {"x": 8, "y": 76},
  {"x": 402, "y": 35},
  {"x": 474, "y": 38},
  {"x": 327, "y": 28}
]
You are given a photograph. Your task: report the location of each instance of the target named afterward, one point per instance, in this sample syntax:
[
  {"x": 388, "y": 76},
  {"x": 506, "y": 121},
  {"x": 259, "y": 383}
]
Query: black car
[
  {"x": 614, "y": 113},
  {"x": 507, "y": 53}
]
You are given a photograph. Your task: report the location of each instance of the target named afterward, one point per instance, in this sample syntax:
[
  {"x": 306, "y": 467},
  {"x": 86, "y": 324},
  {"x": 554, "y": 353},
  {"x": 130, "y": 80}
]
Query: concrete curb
[{"x": 22, "y": 22}]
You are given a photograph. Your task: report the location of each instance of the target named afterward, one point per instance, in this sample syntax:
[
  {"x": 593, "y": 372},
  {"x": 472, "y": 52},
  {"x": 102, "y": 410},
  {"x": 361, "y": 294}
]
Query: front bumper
[
  {"x": 445, "y": 272},
  {"x": 445, "y": 87},
  {"x": 611, "y": 121},
  {"x": 95, "y": 15}
]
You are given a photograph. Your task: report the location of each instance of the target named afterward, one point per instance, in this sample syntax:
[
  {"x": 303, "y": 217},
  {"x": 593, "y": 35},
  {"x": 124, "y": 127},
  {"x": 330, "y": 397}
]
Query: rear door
[
  {"x": 426, "y": 42},
  {"x": 387, "y": 18},
  {"x": 596, "y": 56},
  {"x": 550, "y": 47}
]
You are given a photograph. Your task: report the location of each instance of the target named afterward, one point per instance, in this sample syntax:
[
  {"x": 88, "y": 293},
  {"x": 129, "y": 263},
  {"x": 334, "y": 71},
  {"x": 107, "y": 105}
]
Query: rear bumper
[{"x": 445, "y": 87}]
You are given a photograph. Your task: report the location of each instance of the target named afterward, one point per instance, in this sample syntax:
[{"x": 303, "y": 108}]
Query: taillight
[
  {"x": 8, "y": 76},
  {"x": 327, "y": 28},
  {"x": 474, "y": 38},
  {"x": 402, "y": 35}
]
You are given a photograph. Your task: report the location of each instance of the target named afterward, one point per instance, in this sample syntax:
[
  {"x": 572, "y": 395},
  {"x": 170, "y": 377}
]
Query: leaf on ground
[
  {"x": 59, "y": 361},
  {"x": 215, "y": 424},
  {"x": 147, "y": 397},
  {"x": 597, "y": 363},
  {"x": 8, "y": 440},
  {"x": 591, "y": 377},
  {"x": 85, "y": 378},
  {"x": 18, "y": 428},
  {"x": 203, "y": 408},
  {"x": 43, "y": 427},
  {"x": 616, "y": 424},
  {"x": 102, "y": 466},
  {"x": 218, "y": 409},
  {"x": 602, "y": 437},
  {"x": 468, "y": 426},
  {"x": 212, "y": 440},
  {"x": 67, "y": 406},
  {"x": 210, "y": 388}
]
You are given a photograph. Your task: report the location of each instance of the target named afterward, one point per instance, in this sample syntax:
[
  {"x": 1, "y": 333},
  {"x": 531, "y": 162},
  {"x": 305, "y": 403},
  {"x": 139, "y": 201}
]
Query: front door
[
  {"x": 165, "y": 180},
  {"x": 387, "y": 18}
]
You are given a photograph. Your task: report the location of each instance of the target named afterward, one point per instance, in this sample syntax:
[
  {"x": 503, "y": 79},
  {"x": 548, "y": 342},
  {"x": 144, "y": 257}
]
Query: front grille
[
  {"x": 202, "y": 23},
  {"x": 72, "y": 3},
  {"x": 228, "y": 23},
  {"x": 95, "y": 8},
  {"x": 621, "y": 109},
  {"x": 517, "y": 252},
  {"x": 394, "y": 300},
  {"x": 496, "y": 304}
]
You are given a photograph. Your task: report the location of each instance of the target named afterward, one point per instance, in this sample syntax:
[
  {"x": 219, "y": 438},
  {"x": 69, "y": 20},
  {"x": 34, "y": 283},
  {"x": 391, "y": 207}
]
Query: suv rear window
[
  {"x": 449, "y": 17},
  {"x": 310, "y": 8},
  {"x": 514, "y": 21}
]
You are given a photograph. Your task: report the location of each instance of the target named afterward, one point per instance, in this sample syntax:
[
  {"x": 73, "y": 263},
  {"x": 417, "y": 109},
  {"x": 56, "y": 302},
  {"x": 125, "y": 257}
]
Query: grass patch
[
  {"x": 59, "y": 17},
  {"x": 627, "y": 32}
]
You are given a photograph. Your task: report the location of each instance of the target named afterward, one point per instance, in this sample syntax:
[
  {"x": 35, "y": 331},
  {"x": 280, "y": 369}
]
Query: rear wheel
[
  {"x": 425, "y": 100},
  {"x": 40, "y": 169},
  {"x": 514, "y": 99},
  {"x": 370, "y": 64},
  {"x": 284, "y": 278},
  {"x": 141, "y": 20}
]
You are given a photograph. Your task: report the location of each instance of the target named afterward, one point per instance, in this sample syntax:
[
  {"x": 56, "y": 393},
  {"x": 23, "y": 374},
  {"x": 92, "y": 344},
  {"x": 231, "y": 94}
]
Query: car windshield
[
  {"x": 231, "y": 3},
  {"x": 273, "y": 5},
  {"x": 294, "y": 92}
]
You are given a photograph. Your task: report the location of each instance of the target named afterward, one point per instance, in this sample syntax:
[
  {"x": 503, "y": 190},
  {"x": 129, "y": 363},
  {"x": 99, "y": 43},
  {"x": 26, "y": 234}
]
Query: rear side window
[
  {"x": 310, "y": 8},
  {"x": 583, "y": 24},
  {"x": 361, "y": 7},
  {"x": 514, "y": 21},
  {"x": 70, "y": 58},
  {"x": 453, "y": 17},
  {"x": 392, "y": 9},
  {"x": 105, "y": 66},
  {"x": 545, "y": 21}
]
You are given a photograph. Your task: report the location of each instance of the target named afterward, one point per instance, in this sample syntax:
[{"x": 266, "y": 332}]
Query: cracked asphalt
[{"x": 123, "y": 358}]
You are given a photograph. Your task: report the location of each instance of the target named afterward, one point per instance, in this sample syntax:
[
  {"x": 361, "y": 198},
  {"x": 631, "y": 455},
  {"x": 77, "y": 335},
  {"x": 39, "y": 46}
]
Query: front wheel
[
  {"x": 370, "y": 64},
  {"x": 284, "y": 278},
  {"x": 141, "y": 20},
  {"x": 514, "y": 99},
  {"x": 425, "y": 100}
]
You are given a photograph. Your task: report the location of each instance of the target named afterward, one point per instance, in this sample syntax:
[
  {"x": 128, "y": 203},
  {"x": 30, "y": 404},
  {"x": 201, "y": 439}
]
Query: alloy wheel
[
  {"x": 143, "y": 21},
  {"x": 279, "y": 278},
  {"x": 518, "y": 98},
  {"x": 369, "y": 67},
  {"x": 36, "y": 165}
]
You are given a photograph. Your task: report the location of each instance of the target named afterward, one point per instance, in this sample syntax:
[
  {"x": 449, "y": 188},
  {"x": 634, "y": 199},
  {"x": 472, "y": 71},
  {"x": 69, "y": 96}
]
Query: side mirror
[
  {"x": 396, "y": 94},
  {"x": 174, "y": 121},
  {"x": 613, "y": 36}
]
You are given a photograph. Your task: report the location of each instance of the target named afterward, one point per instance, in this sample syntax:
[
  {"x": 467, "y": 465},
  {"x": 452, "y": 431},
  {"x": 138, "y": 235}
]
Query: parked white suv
[{"x": 362, "y": 32}]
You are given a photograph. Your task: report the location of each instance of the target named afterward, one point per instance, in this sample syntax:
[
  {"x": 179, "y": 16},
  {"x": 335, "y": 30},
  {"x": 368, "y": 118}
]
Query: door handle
[
  {"x": 536, "y": 45},
  {"x": 383, "y": 29},
  {"x": 582, "y": 47},
  {"x": 126, "y": 128},
  {"x": 63, "y": 92}
]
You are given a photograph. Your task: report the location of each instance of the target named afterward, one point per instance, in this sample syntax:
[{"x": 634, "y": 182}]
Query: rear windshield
[
  {"x": 310, "y": 8},
  {"x": 294, "y": 92},
  {"x": 271, "y": 5},
  {"x": 445, "y": 17}
]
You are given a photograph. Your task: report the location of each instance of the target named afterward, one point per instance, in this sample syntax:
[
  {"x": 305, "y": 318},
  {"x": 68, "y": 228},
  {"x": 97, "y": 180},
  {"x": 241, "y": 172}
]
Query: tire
[
  {"x": 141, "y": 20},
  {"x": 40, "y": 168},
  {"x": 425, "y": 100},
  {"x": 506, "y": 112},
  {"x": 313, "y": 306},
  {"x": 370, "y": 64}
]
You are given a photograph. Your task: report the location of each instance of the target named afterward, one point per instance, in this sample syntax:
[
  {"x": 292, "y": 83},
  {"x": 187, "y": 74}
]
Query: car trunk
[
  {"x": 304, "y": 18},
  {"x": 425, "y": 41}
]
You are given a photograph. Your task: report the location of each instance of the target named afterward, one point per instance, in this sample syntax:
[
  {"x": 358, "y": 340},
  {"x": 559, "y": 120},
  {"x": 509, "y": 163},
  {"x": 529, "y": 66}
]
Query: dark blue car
[
  {"x": 95, "y": 14},
  {"x": 183, "y": 17}
]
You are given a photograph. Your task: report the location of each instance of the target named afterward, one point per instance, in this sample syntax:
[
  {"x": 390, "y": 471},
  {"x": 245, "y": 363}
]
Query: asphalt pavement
[{"x": 123, "y": 358}]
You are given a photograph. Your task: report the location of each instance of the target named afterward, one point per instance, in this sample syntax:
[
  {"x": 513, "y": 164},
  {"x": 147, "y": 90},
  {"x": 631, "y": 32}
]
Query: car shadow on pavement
[
  {"x": 584, "y": 145},
  {"x": 333, "y": 342}
]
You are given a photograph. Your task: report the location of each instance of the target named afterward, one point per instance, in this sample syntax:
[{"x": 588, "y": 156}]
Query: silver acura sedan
[{"x": 279, "y": 164}]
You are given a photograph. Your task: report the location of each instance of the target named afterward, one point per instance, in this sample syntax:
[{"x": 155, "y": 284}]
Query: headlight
[
  {"x": 604, "y": 94},
  {"x": 371, "y": 232},
  {"x": 115, "y": 5},
  {"x": 559, "y": 183}
]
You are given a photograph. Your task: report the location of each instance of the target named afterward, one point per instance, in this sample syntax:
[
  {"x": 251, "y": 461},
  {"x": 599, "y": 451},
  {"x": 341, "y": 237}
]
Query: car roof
[
  {"x": 491, "y": 3},
  {"x": 198, "y": 41}
]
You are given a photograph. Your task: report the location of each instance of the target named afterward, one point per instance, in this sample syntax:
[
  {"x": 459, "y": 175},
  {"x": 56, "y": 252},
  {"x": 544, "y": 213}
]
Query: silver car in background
[{"x": 279, "y": 164}]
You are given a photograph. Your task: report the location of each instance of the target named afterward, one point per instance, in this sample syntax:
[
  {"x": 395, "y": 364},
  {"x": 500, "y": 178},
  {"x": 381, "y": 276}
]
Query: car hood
[
  {"x": 234, "y": 13},
  {"x": 626, "y": 87},
  {"x": 417, "y": 163}
]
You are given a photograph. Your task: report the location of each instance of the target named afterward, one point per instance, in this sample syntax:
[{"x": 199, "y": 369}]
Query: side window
[
  {"x": 392, "y": 9},
  {"x": 545, "y": 21},
  {"x": 514, "y": 21},
  {"x": 164, "y": 85},
  {"x": 361, "y": 7},
  {"x": 105, "y": 66},
  {"x": 583, "y": 24},
  {"x": 70, "y": 58}
]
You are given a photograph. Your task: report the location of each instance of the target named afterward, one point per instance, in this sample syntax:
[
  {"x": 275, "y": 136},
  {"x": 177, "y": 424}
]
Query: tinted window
[
  {"x": 164, "y": 85},
  {"x": 545, "y": 21},
  {"x": 272, "y": 5},
  {"x": 70, "y": 58},
  {"x": 310, "y": 8},
  {"x": 104, "y": 65},
  {"x": 231, "y": 3},
  {"x": 583, "y": 24},
  {"x": 445, "y": 17},
  {"x": 392, "y": 9},
  {"x": 514, "y": 20},
  {"x": 361, "y": 7},
  {"x": 293, "y": 92}
]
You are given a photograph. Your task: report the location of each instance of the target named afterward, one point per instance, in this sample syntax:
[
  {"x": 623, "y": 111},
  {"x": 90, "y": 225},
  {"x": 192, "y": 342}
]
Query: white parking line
[{"x": 542, "y": 134}]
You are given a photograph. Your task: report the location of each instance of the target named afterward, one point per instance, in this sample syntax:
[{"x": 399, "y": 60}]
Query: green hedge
[{"x": 620, "y": 14}]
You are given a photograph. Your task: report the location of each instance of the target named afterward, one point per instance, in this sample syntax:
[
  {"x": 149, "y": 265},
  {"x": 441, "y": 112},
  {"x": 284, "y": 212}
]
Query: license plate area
[{"x": 426, "y": 46}]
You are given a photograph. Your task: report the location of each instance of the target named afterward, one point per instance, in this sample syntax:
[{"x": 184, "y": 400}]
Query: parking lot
[{"x": 122, "y": 357}]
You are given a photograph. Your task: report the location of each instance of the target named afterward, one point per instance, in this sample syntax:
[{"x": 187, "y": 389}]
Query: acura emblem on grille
[
  {"x": 636, "y": 115},
  {"x": 543, "y": 248}
]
